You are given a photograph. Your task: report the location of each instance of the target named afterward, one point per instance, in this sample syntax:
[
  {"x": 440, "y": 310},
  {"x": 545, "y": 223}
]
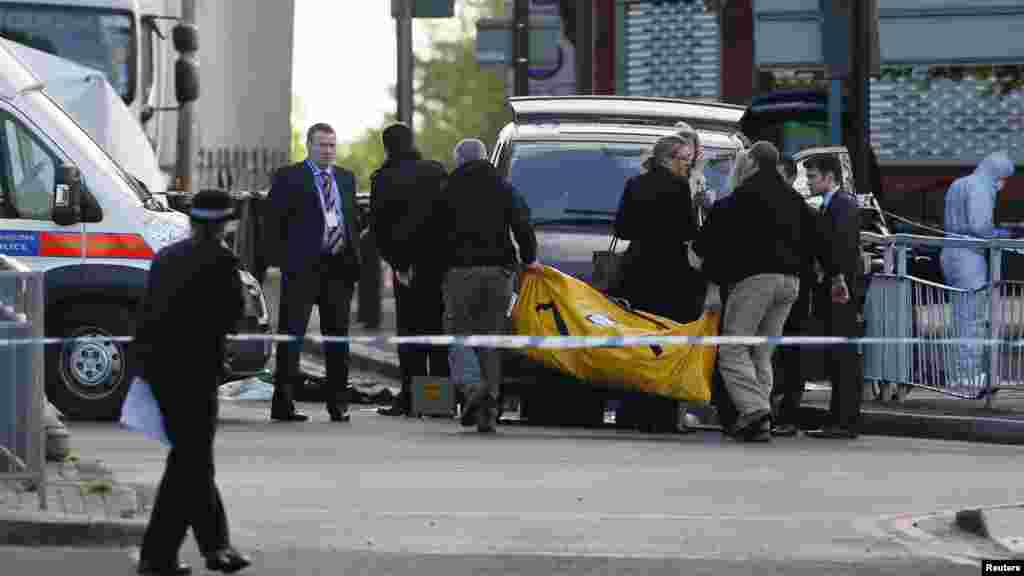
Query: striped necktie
[
  {"x": 325, "y": 189},
  {"x": 335, "y": 234}
]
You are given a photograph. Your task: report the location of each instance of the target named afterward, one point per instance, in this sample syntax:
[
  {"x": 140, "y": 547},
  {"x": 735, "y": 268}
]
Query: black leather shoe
[
  {"x": 468, "y": 416},
  {"x": 395, "y": 410},
  {"x": 339, "y": 415},
  {"x": 784, "y": 430},
  {"x": 833, "y": 432},
  {"x": 176, "y": 569},
  {"x": 293, "y": 417},
  {"x": 227, "y": 561},
  {"x": 754, "y": 427},
  {"x": 486, "y": 417}
]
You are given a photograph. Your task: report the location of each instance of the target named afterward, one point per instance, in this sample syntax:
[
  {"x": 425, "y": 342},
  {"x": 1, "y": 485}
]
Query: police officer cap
[{"x": 212, "y": 206}]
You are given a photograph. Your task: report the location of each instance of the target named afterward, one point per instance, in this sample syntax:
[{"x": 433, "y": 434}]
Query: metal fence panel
[
  {"x": 964, "y": 343},
  {"x": 22, "y": 436},
  {"x": 883, "y": 319}
]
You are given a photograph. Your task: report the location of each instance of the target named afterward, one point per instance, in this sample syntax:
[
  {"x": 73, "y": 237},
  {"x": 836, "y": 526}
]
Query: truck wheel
[{"x": 89, "y": 380}]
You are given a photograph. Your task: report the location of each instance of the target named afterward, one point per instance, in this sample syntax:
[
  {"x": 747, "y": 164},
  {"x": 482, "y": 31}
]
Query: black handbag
[{"x": 609, "y": 266}]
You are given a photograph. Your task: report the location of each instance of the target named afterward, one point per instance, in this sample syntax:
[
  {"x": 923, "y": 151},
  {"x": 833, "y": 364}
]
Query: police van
[{"x": 94, "y": 242}]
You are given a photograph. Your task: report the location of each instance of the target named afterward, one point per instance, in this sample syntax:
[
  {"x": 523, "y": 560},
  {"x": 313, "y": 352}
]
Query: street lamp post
[
  {"x": 403, "y": 29},
  {"x": 521, "y": 47}
]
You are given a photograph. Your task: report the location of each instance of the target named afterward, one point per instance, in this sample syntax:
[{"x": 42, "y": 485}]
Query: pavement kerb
[
  {"x": 1002, "y": 525},
  {"x": 50, "y": 529},
  {"x": 87, "y": 508},
  {"x": 942, "y": 427}
]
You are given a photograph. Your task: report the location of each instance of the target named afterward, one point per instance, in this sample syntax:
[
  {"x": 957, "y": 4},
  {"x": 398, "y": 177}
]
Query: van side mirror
[
  {"x": 186, "y": 81},
  {"x": 185, "y": 38},
  {"x": 67, "y": 196}
]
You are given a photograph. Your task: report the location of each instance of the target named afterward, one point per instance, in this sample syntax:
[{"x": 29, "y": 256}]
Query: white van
[{"x": 96, "y": 261}]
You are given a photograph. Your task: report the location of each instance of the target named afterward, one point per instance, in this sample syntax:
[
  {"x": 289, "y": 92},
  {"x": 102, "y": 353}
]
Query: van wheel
[{"x": 89, "y": 380}]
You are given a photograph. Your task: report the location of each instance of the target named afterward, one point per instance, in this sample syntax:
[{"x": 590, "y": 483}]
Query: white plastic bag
[{"x": 141, "y": 413}]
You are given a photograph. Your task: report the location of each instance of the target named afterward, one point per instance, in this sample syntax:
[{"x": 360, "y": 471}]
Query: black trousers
[
  {"x": 331, "y": 290},
  {"x": 419, "y": 311},
  {"x": 370, "y": 283},
  {"x": 842, "y": 363},
  {"x": 788, "y": 362},
  {"x": 188, "y": 496}
]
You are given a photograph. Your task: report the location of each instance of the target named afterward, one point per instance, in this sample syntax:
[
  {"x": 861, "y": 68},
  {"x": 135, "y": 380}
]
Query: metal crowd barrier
[
  {"x": 964, "y": 343},
  {"x": 22, "y": 434}
]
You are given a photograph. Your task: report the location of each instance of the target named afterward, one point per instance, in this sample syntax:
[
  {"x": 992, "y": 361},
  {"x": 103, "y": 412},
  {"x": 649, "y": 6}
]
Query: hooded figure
[{"x": 970, "y": 204}]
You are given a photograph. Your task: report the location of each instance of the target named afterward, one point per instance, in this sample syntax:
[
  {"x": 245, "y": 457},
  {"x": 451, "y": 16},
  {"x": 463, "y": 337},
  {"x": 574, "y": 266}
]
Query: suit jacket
[
  {"x": 295, "y": 224},
  {"x": 840, "y": 227}
]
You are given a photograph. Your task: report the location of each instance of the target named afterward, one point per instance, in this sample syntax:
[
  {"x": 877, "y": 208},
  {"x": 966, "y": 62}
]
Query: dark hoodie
[{"x": 474, "y": 216}]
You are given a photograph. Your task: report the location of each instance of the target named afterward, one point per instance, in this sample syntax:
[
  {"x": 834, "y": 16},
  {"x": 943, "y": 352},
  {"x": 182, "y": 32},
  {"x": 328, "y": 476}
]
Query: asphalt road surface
[
  {"x": 399, "y": 496},
  {"x": 317, "y": 562}
]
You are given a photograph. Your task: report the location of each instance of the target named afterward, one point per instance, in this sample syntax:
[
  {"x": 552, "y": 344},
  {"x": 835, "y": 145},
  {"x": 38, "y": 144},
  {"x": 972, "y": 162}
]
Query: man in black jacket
[
  {"x": 838, "y": 299},
  {"x": 193, "y": 299},
  {"x": 473, "y": 219},
  {"x": 402, "y": 192},
  {"x": 762, "y": 276}
]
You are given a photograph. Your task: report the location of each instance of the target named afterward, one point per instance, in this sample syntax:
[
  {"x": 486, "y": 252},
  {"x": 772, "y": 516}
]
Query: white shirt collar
[
  {"x": 316, "y": 169},
  {"x": 828, "y": 197}
]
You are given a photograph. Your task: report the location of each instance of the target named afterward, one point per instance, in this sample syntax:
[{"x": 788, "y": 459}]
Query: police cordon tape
[{"x": 562, "y": 342}]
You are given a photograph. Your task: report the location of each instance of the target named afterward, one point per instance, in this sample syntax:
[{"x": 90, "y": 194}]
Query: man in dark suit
[
  {"x": 403, "y": 191},
  {"x": 838, "y": 298},
  {"x": 787, "y": 365},
  {"x": 315, "y": 226}
]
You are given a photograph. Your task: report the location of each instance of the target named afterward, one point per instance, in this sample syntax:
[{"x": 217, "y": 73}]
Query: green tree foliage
[
  {"x": 364, "y": 155},
  {"x": 298, "y": 120},
  {"x": 455, "y": 98}
]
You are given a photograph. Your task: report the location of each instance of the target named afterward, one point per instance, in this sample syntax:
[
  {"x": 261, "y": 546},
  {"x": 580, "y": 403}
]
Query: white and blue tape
[{"x": 562, "y": 342}]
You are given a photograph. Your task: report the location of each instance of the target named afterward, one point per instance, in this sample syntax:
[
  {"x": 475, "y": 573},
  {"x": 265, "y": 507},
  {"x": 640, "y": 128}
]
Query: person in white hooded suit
[{"x": 970, "y": 205}]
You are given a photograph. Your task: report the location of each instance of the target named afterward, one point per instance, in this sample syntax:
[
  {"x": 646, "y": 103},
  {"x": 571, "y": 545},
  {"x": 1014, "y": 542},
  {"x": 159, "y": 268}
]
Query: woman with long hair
[{"x": 657, "y": 216}]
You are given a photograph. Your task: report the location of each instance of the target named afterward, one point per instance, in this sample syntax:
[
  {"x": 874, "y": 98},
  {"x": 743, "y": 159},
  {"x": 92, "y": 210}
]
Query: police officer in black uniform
[{"x": 193, "y": 299}]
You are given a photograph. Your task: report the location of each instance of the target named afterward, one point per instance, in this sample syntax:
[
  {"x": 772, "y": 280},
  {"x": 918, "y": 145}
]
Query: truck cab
[
  {"x": 121, "y": 38},
  {"x": 95, "y": 249}
]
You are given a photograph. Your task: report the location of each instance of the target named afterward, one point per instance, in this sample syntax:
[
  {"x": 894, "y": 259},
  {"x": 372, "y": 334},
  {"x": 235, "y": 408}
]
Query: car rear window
[{"x": 563, "y": 179}]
